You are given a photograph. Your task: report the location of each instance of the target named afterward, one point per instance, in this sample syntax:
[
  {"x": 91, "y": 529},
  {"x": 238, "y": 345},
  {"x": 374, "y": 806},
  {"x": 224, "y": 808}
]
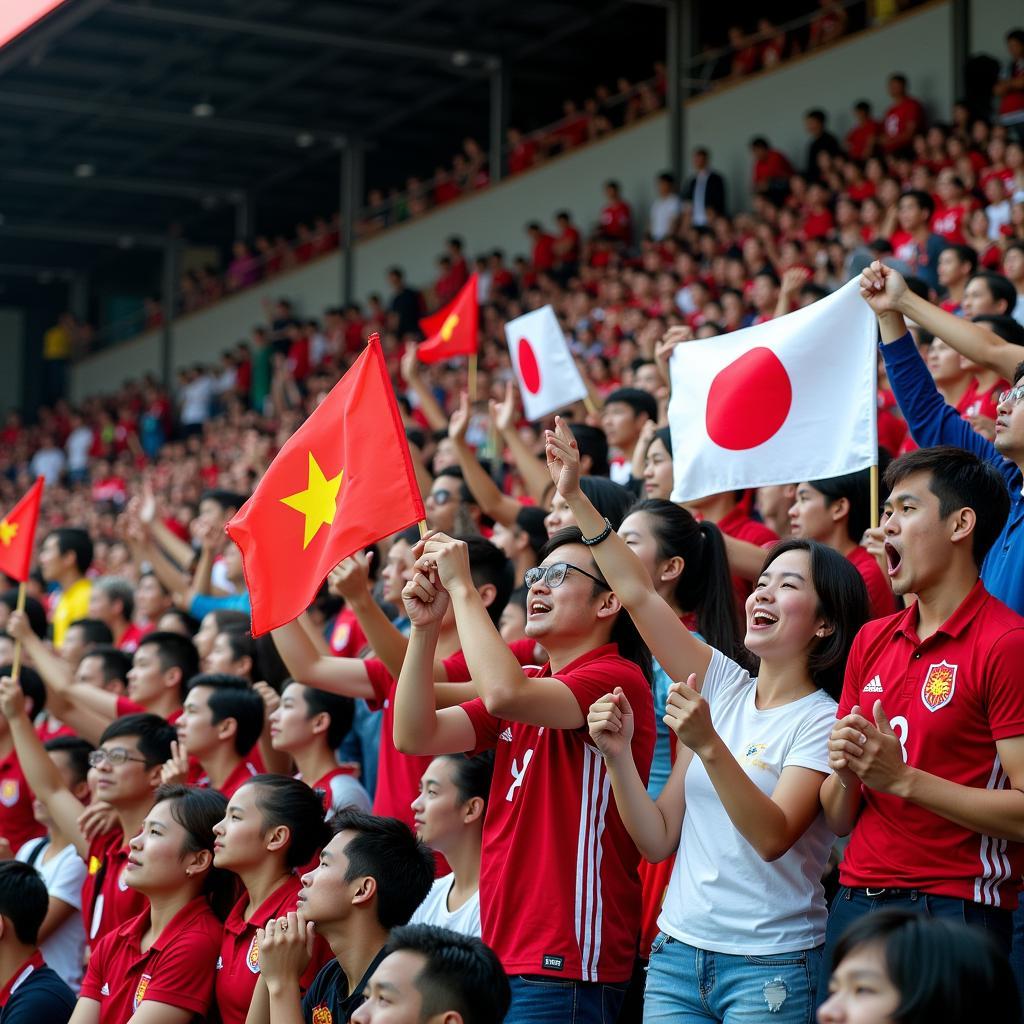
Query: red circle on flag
[
  {"x": 529, "y": 370},
  {"x": 749, "y": 400}
]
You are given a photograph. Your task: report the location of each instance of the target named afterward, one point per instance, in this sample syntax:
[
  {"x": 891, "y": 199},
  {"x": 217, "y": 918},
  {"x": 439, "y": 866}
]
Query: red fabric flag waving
[
  {"x": 343, "y": 480},
  {"x": 18, "y": 531},
  {"x": 452, "y": 331}
]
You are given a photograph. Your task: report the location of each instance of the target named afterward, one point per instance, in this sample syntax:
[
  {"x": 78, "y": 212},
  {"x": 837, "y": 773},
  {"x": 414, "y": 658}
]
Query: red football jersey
[
  {"x": 548, "y": 907},
  {"x": 17, "y": 822},
  {"x": 107, "y": 900},
  {"x": 949, "y": 699}
]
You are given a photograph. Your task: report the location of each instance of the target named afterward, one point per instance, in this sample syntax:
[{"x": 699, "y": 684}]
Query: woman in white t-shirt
[
  {"x": 744, "y": 919},
  {"x": 62, "y": 935},
  {"x": 449, "y": 818}
]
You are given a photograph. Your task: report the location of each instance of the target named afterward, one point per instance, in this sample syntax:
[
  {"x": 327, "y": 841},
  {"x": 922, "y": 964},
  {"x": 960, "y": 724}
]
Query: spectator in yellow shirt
[
  {"x": 58, "y": 343},
  {"x": 64, "y": 559}
]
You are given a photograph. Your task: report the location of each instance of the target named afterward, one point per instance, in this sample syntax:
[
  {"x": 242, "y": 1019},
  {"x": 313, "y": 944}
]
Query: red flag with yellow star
[
  {"x": 18, "y": 531},
  {"x": 452, "y": 331},
  {"x": 343, "y": 480}
]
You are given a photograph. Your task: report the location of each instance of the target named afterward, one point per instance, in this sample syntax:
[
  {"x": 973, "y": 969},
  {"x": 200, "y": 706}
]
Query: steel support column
[
  {"x": 351, "y": 192},
  {"x": 498, "y": 121}
]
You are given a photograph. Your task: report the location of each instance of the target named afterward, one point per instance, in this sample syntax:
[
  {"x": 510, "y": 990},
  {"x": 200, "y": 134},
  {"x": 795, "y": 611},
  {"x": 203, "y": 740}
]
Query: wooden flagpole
[
  {"x": 16, "y": 660},
  {"x": 472, "y": 378}
]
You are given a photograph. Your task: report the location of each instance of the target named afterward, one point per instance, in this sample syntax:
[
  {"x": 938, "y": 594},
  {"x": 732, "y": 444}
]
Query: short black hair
[
  {"x": 489, "y": 564},
  {"x": 71, "y": 538},
  {"x": 34, "y": 611},
  {"x": 114, "y": 663},
  {"x": 387, "y": 850},
  {"x": 1000, "y": 287},
  {"x": 233, "y": 697},
  {"x": 965, "y": 254},
  {"x": 173, "y": 651},
  {"x": 530, "y": 519},
  {"x": 611, "y": 500},
  {"x": 959, "y": 479},
  {"x": 32, "y": 685},
  {"x": 816, "y": 115},
  {"x": 637, "y": 399},
  {"x": 340, "y": 709},
  {"x": 24, "y": 900},
  {"x": 461, "y": 974},
  {"x": 856, "y": 488},
  {"x": 78, "y": 751},
  {"x": 93, "y": 631},
  {"x": 593, "y": 442},
  {"x": 1004, "y": 327},
  {"x": 153, "y": 735},
  {"x": 224, "y": 498},
  {"x": 242, "y": 645},
  {"x": 943, "y": 969},
  {"x": 188, "y": 622},
  {"x": 922, "y": 198}
]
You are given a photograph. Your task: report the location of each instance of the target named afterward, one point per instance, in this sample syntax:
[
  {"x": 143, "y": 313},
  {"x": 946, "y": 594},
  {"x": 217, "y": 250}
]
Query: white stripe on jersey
[
  {"x": 606, "y": 788},
  {"x": 594, "y": 794},
  {"x": 992, "y": 852}
]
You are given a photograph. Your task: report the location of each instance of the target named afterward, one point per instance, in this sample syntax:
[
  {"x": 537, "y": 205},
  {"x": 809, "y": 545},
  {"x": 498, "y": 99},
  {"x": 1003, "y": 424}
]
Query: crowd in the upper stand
[{"x": 517, "y": 721}]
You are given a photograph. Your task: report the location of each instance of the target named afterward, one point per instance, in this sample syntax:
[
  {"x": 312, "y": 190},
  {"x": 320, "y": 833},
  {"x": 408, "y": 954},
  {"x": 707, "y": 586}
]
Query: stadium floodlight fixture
[
  {"x": 460, "y": 58},
  {"x": 125, "y": 242},
  {"x": 85, "y": 170},
  {"x": 304, "y": 140},
  {"x": 204, "y": 108}
]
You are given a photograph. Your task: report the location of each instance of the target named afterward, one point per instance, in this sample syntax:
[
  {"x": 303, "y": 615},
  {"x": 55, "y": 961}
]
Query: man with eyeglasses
[
  {"x": 124, "y": 772},
  {"x": 449, "y": 505},
  {"x": 932, "y": 422},
  {"x": 559, "y": 890}
]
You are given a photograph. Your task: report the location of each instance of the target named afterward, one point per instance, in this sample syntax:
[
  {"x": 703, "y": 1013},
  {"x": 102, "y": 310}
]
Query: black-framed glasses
[
  {"x": 554, "y": 575},
  {"x": 115, "y": 755},
  {"x": 1013, "y": 396},
  {"x": 441, "y": 496}
]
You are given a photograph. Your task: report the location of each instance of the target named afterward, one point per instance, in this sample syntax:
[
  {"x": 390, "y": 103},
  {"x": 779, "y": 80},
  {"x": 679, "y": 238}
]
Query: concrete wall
[
  {"x": 12, "y": 345},
  {"x": 990, "y": 21},
  {"x": 919, "y": 45}
]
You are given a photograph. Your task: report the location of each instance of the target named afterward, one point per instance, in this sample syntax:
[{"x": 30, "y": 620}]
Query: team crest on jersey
[
  {"x": 252, "y": 958},
  {"x": 140, "y": 990},
  {"x": 9, "y": 792},
  {"x": 322, "y": 1015},
  {"x": 939, "y": 685}
]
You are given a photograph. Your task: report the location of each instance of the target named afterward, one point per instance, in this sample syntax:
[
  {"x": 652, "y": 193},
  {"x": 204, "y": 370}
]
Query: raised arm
[
  {"x": 429, "y": 405},
  {"x": 531, "y": 471},
  {"x": 678, "y": 651},
  {"x": 42, "y": 775},
  {"x": 347, "y": 676}
]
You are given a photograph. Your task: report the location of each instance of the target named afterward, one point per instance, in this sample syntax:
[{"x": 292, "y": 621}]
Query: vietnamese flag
[
  {"x": 343, "y": 480},
  {"x": 17, "y": 533},
  {"x": 452, "y": 331}
]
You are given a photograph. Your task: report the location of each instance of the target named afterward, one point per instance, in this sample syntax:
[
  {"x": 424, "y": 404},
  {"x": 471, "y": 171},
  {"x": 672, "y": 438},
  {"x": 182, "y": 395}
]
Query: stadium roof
[{"x": 121, "y": 117}]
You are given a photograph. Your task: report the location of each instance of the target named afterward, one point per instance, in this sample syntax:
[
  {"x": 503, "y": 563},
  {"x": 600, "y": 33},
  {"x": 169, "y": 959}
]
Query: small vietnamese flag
[
  {"x": 452, "y": 331},
  {"x": 17, "y": 533},
  {"x": 343, "y": 480}
]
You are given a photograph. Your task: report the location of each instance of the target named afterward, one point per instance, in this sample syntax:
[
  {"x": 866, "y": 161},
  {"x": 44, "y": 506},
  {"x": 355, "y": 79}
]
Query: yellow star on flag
[
  {"x": 317, "y": 502},
  {"x": 448, "y": 327},
  {"x": 8, "y": 531}
]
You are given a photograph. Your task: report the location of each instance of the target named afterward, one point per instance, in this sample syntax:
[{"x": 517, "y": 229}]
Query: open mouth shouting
[
  {"x": 761, "y": 618},
  {"x": 893, "y": 557},
  {"x": 537, "y": 607}
]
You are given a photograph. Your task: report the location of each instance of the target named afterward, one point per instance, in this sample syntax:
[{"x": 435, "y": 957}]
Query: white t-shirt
[
  {"x": 63, "y": 876},
  {"x": 664, "y": 211},
  {"x": 348, "y": 791},
  {"x": 434, "y": 909},
  {"x": 722, "y": 896},
  {"x": 77, "y": 446}
]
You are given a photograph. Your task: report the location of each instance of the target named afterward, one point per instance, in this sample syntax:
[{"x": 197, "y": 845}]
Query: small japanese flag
[
  {"x": 548, "y": 378},
  {"x": 788, "y": 400}
]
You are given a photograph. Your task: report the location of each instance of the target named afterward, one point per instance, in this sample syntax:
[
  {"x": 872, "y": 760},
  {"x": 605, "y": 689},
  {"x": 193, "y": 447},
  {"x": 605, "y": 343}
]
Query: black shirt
[
  {"x": 406, "y": 306},
  {"x": 328, "y": 993},
  {"x": 41, "y": 997}
]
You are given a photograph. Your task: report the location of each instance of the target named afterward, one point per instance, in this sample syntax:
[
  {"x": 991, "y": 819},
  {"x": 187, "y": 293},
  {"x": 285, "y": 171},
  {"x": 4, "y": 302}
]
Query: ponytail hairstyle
[
  {"x": 197, "y": 811},
  {"x": 624, "y": 632},
  {"x": 471, "y": 776},
  {"x": 286, "y": 801},
  {"x": 704, "y": 587}
]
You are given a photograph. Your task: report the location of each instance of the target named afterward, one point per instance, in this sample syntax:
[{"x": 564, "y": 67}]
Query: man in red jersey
[
  {"x": 563, "y": 919},
  {"x": 928, "y": 749},
  {"x": 124, "y": 772},
  {"x": 903, "y": 120}
]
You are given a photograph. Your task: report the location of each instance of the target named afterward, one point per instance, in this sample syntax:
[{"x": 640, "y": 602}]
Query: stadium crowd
[{"x": 567, "y": 656}]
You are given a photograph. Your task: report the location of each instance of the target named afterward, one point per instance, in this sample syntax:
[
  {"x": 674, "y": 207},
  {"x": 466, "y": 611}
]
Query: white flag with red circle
[
  {"x": 548, "y": 378},
  {"x": 788, "y": 400}
]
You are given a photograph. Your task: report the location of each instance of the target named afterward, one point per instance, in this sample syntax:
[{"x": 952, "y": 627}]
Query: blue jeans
[
  {"x": 686, "y": 985},
  {"x": 1017, "y": 952},
  {"x": 538, "y": 999},
  {"x": 851, "y": 904}
]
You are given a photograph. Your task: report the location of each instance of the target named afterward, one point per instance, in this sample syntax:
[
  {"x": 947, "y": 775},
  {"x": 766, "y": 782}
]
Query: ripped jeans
[{"x": 686, "y": 985}]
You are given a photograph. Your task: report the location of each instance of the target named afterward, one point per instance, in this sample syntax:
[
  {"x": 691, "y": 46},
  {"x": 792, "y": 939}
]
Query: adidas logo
[
  {"x": 506, "y": 735},
  {"x": 105, "y": 991},
  {"x": 220, "y": 963},
  {"x": 874, "y": 686}
]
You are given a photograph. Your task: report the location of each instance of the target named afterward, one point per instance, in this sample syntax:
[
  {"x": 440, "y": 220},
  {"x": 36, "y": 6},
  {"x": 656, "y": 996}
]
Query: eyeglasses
[
  {"x": 1013, "y": 396},
  {"x": 554, "y": 575},
  {"x": 116, "y": 755},
  {"x": 440, "y": 496}
]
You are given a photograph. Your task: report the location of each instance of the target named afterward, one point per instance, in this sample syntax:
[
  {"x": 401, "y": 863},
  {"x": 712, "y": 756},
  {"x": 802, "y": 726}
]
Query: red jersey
[
  {"x": 881, "y": 600},
  {"x": 125, "y": 706},
  {"x": 107, "y": 900},
  {"x": 981, "y": 403},
  {"x": 617, "y": 221},
  {"x": 899, "y": 119},
  {"x": 949, "y": 222},
  {"x": 50, "y": 729},
  {"x": 543, "y": 256},
  {"x": 547, "y": 907},
  {"x": 238, "y": 966},
  {"x": 132, "y": 637},
  {"x": 736, "y": 523},
  {"x": 178, "y": 968},
  {"x": 325, "y": 787},
  {"x": 247, "y": 767},
  {"x": 949, "y": 699},
  {"x": 346, "y": 639},
  {"x": 17, "y": 822},
  {"x": 859, "y": 140}
]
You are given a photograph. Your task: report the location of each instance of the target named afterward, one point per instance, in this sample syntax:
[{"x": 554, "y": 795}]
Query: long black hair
[
  {"x": 842, "y": 603},
  {"x": 704, "y": 587},
  {"x": 624, "y": 632},
  {"x": 944, "y": 970}
]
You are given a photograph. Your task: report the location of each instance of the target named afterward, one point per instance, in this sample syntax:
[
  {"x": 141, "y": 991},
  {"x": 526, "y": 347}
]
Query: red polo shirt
[
  {"x": 17, "y": 823},
  {"x": 107, "y": 900},
  {"x": 178, "y": 968},
  {"x": 881, "y": 600},
  {"x": 238, "y": 966},
  {"x": 949, "y": 699},
  {"x": 129, "y": 707},
  {"x": 247, "y": 767}
]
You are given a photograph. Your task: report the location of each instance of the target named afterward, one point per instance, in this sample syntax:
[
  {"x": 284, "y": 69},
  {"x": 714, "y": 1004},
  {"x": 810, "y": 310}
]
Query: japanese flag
[
  {"x": 548, "y": 378},
  {"x": 788, "y": 400}
]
